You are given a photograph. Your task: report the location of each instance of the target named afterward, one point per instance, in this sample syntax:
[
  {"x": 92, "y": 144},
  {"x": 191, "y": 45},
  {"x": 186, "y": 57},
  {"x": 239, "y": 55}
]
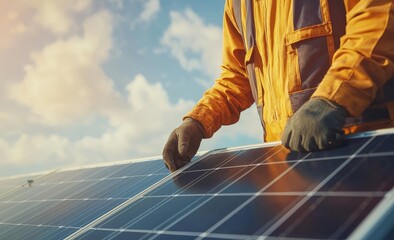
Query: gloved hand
[
  {"x": 183, "y": 144},
  {"x": 317, "y": 125}
]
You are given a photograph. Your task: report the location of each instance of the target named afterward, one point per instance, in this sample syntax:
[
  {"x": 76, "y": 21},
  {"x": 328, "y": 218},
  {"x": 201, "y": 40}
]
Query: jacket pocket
[{"x": 307, "y": 61}]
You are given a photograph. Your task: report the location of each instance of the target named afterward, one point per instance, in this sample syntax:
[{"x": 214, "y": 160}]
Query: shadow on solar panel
[{"x": 252, "y": 192}]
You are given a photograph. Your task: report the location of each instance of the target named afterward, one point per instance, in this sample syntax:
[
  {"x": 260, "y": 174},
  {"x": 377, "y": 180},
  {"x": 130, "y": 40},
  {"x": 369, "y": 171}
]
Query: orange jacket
[{"x": 339, "y": 50}]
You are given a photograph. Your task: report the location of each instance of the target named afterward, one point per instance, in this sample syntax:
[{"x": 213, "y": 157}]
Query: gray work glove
[
  {"x": 183, "y": 144},
  {"x": 317, "y": 125}
]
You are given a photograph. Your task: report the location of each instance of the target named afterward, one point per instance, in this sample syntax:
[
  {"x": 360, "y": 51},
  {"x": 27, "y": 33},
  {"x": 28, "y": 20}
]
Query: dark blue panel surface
[
  {"x": 304, "y": 176},
  {"x": 8, "y": 232},
  {"x": 208, "y": 214},
  {"x": 380, "y": 144},
  {"x": 8, "y": 184},
  {"x": 214, "y": 160},
  {"x": 59, "y": 204},
  {"x": 257, "y": 215},
  {"x": 364, "y": 174},
  {"x": 262, "y": 192},
  {"x": 346, "y": 149},
  {"x": 108, "y": 234},
  {"x": 152, "y": 213},
  {"x": 180, "y": 183},
  {"x": 327, "y": 217}
]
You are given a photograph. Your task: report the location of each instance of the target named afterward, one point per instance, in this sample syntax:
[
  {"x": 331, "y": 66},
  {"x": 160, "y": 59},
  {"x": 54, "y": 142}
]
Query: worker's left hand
[{"x": 317, "y": 125}]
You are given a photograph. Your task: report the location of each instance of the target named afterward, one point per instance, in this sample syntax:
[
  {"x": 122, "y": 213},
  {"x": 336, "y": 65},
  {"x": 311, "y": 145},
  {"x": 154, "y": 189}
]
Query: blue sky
[{"x": 87, "y": 81}]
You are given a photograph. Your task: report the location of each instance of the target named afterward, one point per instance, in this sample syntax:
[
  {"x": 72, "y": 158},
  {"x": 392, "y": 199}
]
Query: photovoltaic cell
[{"x": 260, "y": 192}]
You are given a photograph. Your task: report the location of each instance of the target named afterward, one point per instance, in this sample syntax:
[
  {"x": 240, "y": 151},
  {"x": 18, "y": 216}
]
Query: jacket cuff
[
  {"x": 206, "y": 121},
  {"x": 343, "y": 94}
]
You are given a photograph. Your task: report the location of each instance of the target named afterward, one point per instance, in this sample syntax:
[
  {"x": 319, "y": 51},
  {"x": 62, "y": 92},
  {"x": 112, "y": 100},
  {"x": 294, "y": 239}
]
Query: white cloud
[
  {"x": 55, "y": 15},
  {"x": 196, "y": 45},
  {"x": 142, "y": 96},
  {"x": 138, "y": 129},
  {"x": 29, "y": 150},
  {"x": 148, "y": 120},
  {"x": 12, "y": 25},
  {"x": 65, "y": 82},
  {"x": 150, "y": 9}
]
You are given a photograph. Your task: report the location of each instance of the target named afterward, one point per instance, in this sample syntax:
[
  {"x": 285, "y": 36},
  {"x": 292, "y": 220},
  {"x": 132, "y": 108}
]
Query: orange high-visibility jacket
[{"x": 278, "y": 54}]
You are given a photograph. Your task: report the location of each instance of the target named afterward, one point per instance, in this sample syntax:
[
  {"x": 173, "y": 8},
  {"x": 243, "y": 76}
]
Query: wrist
[
  {"x": 189, "y": 120},
  {"x": 331, "y": 104}
]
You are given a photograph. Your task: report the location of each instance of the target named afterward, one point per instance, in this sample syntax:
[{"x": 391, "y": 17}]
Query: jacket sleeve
[
  {"x": 365, "y": 58},
  {"x": 231, "y": 93}
]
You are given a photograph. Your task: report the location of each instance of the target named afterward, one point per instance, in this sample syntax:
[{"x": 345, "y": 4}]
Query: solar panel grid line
[
  {"x": 260, "y": 164},
  {"x": 25, "y": 183},
  {"x": 173, "y": 195},
  {"x": 20, "y": 216},
  {"x": 95, "y": 180},
  {"x": 25, "y": 224},
  {"x": 88, "y": 166},
  {"x": 375, "y": 225},
  {"x": 50, "y": 189},
  {"x": 98, "y": 180},
  {"x": 243, "y": 166},
  {"x": 154, "y": 230},
  {"x": 101, "y": 205},
  {"x": 204, "y": 202},
  {"x": 108, "y": 186},
  {"x": 294, "y": 161},
  {"x": 204, "y": 157},
  {"x": 228, "y": 216},
  {"x": 207, "y": 155},
  {"x": 131, "y": 200},
  {"x": 372, "y": 133},
  {"x": 164, "y": 180},
  {"x": 270, "y": 230},
  {"x": 37, "y": 183},
  {"x": 38, "y": 225},
  {"x": 83, "y": 199},
  {"x": 361, "y": 155},
  {"x": 215, "y": 168},
  {"x": 27, "y": 235},
  {"x": 254, "y": 146},
  {"x": 351, "y": 218},
  {"x": 194, "y": 181},
  {"x": 319, "y": 193},
  {"x": 136, "y": 219},
  {"x": 175, "y": 233}
]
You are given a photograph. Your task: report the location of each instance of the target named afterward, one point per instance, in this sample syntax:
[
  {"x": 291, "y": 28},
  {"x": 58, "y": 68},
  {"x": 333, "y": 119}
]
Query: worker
[{"x": 315, "y": 69}]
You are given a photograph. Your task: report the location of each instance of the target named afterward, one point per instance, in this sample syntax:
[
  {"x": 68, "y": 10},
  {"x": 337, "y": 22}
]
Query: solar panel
[
  {"x": 253, "y": 192},
  {"x": 60, "y": 203},
  {"x": 262, "y": 192}
]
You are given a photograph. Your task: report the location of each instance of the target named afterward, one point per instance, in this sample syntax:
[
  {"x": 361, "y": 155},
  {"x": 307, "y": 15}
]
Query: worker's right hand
[{"x": 183, "y": 144}]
